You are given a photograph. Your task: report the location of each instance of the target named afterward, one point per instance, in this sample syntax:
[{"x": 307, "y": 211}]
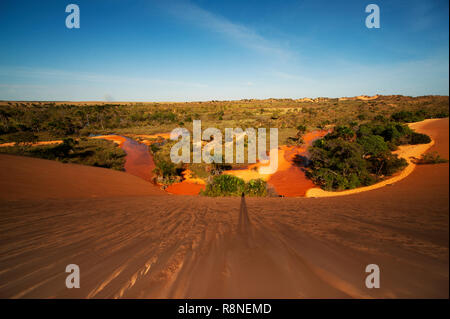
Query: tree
[
  {"x": 337, "y": 164},
  {"x": 373, "y": 145},
  {"x": 343, "y": 132}
]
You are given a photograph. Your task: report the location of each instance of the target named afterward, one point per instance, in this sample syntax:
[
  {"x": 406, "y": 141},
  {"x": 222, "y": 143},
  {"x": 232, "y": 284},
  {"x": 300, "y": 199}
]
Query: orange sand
[
  {"x": 119, "y": 140},
  {"x": 150, "y": 139},
  {"x": 158, "y": 135},
  {"x": 185, "y": 188},
  {"x": 189, "y": 185}
]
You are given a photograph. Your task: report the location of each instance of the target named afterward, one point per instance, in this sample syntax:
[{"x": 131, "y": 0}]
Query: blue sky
[{"x": 144, "y": 50}]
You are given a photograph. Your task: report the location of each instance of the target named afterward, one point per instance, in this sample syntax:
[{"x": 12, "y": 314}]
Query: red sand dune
[
  {"x": 156, "y": 245},
  {"x": 33, "y": 178}
]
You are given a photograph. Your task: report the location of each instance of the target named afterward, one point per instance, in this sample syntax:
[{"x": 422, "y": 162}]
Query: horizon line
[{"x": 231, "y": 100}]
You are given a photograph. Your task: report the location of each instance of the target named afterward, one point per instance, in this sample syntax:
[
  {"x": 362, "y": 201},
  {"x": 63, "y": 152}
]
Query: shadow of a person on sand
[{"x": 244, "y": 229}]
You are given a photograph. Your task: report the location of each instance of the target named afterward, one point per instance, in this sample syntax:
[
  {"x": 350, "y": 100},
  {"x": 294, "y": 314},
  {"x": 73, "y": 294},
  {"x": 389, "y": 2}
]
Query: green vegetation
[
  {"x": 359, "y": 156},
  {"x": 431, "y": 158},
  {"x": 100, "y": 153},
  {"x": 50, "y": 120},
  {"x": 336, "y": 164},
  {"x": 417, "y": 116},
  {"x": 28, "y": 122},
  {"x": 256, "y": 187},
  {"x": 419, "y": 138},
  {"x": 166, "y": 171},
  {"x": 228, "y": 185},
  {"x": 394, "y": 134}
]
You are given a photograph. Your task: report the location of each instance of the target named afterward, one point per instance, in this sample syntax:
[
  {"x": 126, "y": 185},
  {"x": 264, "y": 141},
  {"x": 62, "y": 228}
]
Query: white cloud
[{"x": 239, "y": 33}]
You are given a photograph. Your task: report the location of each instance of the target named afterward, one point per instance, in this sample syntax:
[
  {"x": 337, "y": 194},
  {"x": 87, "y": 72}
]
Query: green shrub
[
  {"x": 409, "y": 117},
  {"x": 164, "y": 116},
  {"x": 256, "y": 187},
  {"x": 394, "y": 134},
  {"x": 165, "y": 168},
  {"x": 343, "y": 132},
  {"x": 442, "y": 114},
  {"x": 229, "y": 185},
  {"x": 386, "y": 164},
  {"x": 373, "y": 145},
  {"x": 337, "y": 164},
  {"x": 225, "y": 185},
  {"x": 419, "y": 138},
  {"x": 431, "y": 158}
]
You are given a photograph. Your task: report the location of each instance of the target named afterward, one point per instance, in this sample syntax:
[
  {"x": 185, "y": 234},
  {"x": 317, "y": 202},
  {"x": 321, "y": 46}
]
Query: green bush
[
  {"x": 165, "y": 168},
  {"x": 409, "y": 117},
  {"x": 225, "y": 185},
  {"x": 373, "y": 145},
  {"x": 164, "y": 116},
  {"x": 419, "y": 138},
  {"x": 343, "y": 132},
  {"x": 431, "y": 158},
  {"x": 386, "y": 164},
  {"x": 337, "y": 164},
  {"x": 229, "y": 185},
  {"x": 441, "y": 114},
  {"x": 256, "y": 187},
  {"x": 394, "y": 134}
]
